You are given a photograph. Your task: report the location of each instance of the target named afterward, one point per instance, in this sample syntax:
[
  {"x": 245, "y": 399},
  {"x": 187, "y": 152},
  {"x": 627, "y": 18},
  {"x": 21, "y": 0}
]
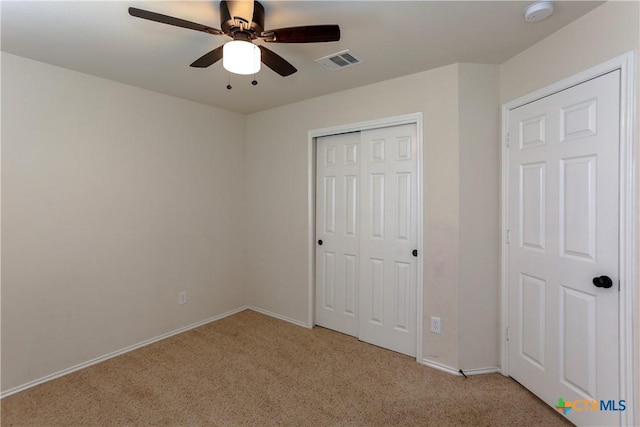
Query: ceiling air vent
[{"x": 337, "y": 61}]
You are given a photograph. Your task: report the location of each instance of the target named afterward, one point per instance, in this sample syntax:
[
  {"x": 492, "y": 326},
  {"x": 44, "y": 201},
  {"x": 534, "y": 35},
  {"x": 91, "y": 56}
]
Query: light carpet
[{"x": 251, "y": 369}]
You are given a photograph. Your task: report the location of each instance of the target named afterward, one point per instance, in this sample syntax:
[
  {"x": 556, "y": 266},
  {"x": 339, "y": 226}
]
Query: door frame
[
  {"x": 629, "y": 162},
  {"x": 413, "y": 118}
]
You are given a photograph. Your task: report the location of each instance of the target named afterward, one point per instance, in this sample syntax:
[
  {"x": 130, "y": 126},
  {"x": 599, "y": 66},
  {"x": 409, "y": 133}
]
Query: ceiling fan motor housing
[{"x": 229, "y": 24}]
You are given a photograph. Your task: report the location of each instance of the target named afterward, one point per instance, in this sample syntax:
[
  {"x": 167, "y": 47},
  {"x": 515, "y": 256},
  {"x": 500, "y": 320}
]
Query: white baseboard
[
  {"x": 481, "y": 371},
  {"x": 111, "y": 355},
  {"x": 280, "y": 316},
  {"x": 440, "y": 367},
  {"x": 133, "y": 347},
  {"x": 454, "y": 371}
]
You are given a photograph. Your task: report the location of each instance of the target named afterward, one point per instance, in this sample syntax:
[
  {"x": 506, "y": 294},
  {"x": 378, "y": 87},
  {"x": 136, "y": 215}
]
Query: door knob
[
  {"x": 415, "y": 252},
  {"x": 602, "y": 282},
  {"x": 320, "y": 242}
]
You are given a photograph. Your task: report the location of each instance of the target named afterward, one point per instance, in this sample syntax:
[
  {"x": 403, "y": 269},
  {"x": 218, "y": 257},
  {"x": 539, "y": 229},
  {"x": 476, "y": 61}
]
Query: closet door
[
  {"x": 388, "y": 238},
  {"x": 337, "y": 232},
  {"x": 366, "y": 231}
]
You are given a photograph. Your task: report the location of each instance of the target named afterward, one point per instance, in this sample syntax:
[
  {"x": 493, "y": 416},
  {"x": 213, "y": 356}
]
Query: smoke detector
[{"x": 538, "y": 11}]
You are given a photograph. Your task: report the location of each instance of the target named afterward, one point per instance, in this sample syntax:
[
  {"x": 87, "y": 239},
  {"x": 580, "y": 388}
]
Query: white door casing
[
  {"x": 367, "y": 217},
  {"x": 563, "y": 221}
]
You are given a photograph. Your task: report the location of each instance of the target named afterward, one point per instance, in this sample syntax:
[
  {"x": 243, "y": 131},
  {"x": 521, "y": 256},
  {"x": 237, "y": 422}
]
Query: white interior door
[
  {"x": 337, "y": 232},
  {"x": 388, "y": 238},
  {"x": 563, "y": 216},
  {"x": 367, "y": 229}
]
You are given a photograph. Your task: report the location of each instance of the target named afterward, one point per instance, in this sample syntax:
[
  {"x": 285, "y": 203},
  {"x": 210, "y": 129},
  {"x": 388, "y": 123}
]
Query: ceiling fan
[{"x": 243, "y": 21}]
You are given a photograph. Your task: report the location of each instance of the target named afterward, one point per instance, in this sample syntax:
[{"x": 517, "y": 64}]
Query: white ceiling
[{"x": 393, "y": 38}]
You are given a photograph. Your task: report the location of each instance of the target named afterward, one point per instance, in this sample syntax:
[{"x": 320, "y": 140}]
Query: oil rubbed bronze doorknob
[
  {"x": 320, "y": 242},
  {"x": 603, "y": 282}
]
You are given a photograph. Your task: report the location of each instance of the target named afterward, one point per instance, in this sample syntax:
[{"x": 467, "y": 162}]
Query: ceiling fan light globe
[{"x": 241, "y": 57}]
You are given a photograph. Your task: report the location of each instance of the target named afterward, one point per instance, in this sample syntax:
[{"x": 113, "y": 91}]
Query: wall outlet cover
[{"x": 436, "y": 326}]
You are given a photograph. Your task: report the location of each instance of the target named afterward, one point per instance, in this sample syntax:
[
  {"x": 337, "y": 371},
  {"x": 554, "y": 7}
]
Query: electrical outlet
[
  {"x": 182, "y": 297},
  {"x": 435, "y": 325}
]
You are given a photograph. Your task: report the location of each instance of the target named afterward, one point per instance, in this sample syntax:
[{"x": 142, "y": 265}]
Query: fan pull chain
[{"x": 229, "y": 87}]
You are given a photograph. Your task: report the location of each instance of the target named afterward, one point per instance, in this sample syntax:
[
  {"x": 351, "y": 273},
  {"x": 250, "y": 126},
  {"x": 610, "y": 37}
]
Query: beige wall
[
  {"x": 103, "y": 225},
  {"x": 605, "y": 33},
  {"x": 478, "y": 302},
  {"x": 602, "y": 34},
  {"x": 277, "y": 196},
  {"x": 277, "y": 191},
  {"x": 114, "y": 199}
]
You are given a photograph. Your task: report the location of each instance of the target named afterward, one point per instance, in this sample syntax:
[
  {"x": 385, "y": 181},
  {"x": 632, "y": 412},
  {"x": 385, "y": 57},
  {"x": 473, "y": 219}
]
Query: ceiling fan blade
[
  {"x": 306, "y": 34},
  {"x": 170, "y": 20},
  {"x": 241, "y": 9},
  {"x": 276, "y": 62},
  {"x": 208, "y": 59}
]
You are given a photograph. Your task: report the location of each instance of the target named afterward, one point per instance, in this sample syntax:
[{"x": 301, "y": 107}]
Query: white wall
[
  {"x": 114, "y": 199},
  {"x": 605, "y": 33},
  {"x": 277, "y": 195}
]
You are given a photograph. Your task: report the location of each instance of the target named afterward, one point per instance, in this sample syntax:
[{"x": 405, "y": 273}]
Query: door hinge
[
  {"x": 506, "y": 141},
  {"x": 506, "y": 333},
  {"x": 508, "y": 236}
]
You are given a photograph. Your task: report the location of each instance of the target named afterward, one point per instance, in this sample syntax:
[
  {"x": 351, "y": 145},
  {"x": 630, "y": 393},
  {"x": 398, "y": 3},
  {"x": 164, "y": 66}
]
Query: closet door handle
[
  {"x": 415, "y": 252},
  {"x": 320, "y": 242}
]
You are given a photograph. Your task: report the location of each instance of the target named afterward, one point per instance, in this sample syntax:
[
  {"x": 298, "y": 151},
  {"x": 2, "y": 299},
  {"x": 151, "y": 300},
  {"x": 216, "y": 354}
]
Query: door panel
[
  {"x": 532, "y": 205},
  {"x": 578, "y": 355},
  {"x": 532, "y": 319},
  {"x": 389, "y": 235},
  {"x": 563, "y": 214},
  {"x": 578, "y": 207},
  {"x": 337, "y": 225}
]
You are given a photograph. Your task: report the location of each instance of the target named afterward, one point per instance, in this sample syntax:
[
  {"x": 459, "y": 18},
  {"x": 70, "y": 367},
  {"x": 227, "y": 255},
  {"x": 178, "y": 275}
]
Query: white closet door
[
  {"x": 337, "y": 232},
  {"x": 388, "y": 267}
]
